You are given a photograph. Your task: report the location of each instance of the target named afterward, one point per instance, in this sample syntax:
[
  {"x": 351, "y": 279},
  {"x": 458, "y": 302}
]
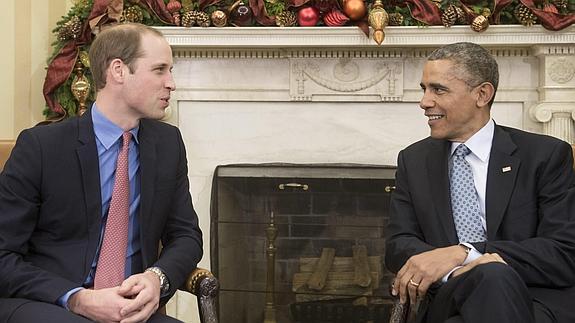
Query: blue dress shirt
[{"x": 108, "y": 142}]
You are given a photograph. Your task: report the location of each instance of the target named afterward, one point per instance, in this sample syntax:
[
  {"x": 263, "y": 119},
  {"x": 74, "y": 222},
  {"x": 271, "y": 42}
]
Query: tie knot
[
  {"x": 462, "y": 151},
  {"x": 126, "y": 136}
]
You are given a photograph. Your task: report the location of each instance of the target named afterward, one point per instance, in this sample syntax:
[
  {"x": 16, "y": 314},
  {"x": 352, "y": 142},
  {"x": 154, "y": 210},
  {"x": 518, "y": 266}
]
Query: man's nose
[{"x": 426, "y": 101}]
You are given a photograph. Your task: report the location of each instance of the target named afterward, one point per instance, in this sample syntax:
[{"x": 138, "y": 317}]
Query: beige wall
[{"x": 25, "y": 34}]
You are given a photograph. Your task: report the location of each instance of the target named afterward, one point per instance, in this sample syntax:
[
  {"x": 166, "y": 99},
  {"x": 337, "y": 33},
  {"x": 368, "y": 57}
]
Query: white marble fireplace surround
[{"x": 332, "y": 95}]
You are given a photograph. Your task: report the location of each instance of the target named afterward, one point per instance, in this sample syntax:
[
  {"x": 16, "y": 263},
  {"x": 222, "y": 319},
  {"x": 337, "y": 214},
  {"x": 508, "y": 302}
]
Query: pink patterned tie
[{"x": 110, "y": 268}]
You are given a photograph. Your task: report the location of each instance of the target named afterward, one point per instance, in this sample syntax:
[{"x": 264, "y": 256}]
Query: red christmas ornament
[
  {"x": 242, "y": 15},
  {"x": 354, "y": 9},
  {"x": 308, "y": 16}
]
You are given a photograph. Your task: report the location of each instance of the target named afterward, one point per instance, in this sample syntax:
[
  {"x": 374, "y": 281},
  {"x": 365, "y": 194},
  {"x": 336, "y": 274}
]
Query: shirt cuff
[
  {"x": 63, "y": 300},
  {"x": 472, "y": 255},
  {"x": 446, "y": 277}
]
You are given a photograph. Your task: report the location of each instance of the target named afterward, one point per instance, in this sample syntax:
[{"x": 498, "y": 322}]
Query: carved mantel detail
[{"x": 556, "y": 106}]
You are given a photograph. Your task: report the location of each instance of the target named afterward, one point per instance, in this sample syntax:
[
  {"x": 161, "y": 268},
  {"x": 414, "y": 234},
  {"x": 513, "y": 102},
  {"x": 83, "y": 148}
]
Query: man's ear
[
  {"x": 116, "y": 70},
  {"x": 485, "y": 92}
]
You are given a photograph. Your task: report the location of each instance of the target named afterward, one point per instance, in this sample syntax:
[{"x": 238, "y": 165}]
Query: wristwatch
[
  {"x": 164, "y": 282},
  {"x": 466, "y": 248}
]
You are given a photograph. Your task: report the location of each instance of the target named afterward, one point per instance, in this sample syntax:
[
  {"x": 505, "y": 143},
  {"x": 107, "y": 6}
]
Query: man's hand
[
  {"x": 134, "y": 301},
  {"x": 144, "y": 289},
  {"x": 422, "y": 270},
  {"x": 103, "y": 305},
  {"x": 485, "y": 258}
]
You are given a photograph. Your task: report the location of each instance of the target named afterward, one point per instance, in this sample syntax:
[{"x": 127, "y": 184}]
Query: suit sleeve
[
  {"x": 182, "y": 238},
  {"x": 548, "y": 257},
  {"x": 404, "y": 235},
  {"x": 20, "y": 199}
]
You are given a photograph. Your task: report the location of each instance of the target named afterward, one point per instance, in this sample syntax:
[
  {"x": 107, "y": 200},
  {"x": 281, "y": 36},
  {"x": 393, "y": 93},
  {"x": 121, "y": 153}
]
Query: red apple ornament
[{"x": 308, "y": 16}]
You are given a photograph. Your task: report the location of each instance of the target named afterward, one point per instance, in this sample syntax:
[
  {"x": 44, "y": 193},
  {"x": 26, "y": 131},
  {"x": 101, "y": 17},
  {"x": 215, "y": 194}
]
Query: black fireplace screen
[{"x": 301, "y": 243}]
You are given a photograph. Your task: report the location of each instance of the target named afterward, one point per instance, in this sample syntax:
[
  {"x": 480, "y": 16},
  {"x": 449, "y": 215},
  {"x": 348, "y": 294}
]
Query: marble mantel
[{"x": 332, "y": 95}]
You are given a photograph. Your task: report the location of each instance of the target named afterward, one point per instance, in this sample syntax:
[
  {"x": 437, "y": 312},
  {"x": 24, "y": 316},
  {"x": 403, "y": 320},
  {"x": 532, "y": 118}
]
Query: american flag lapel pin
[{"x": 506, "y": 169}]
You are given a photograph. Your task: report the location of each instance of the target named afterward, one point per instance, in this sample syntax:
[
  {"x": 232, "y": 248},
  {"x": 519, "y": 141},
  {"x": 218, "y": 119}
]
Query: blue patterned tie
[{"x": 464, "y": 200}]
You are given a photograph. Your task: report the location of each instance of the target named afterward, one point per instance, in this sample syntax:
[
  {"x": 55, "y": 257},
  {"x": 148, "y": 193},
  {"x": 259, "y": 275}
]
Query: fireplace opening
[{"x": 301, "y": 243}]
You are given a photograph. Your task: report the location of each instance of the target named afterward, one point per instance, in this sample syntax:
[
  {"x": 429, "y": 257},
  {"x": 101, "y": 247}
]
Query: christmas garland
[{"x": 69, "y": 67}]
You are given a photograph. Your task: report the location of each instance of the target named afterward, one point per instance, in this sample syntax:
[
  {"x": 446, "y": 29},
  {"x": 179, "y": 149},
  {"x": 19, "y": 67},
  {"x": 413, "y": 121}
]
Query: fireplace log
[
  {"x": 361, "y": 273},
  {"x": 316, "y": 280}
]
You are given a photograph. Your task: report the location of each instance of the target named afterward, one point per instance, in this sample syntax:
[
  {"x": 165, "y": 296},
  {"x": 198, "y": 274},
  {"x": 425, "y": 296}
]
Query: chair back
[{"x": 5, "y": 150}]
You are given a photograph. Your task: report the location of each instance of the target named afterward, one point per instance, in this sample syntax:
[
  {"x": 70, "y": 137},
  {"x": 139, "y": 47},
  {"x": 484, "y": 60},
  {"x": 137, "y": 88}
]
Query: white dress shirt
[{"x": 480, "y": 146}]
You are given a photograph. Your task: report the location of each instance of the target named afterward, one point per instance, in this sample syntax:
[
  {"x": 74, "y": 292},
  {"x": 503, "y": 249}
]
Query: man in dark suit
[
  {"x": 504, "y": 251},
  {"x": 59, "y": 187}
]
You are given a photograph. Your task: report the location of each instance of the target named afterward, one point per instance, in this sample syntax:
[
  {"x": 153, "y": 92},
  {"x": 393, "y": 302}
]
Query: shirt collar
[
  {"x": 480, "y": 143},
  {"x": 106, "y": 131}
]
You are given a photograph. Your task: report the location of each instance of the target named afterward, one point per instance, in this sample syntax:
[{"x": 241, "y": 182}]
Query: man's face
[
  {"x": 449, "y": 103},
  {"x": 147, "y": 90}
]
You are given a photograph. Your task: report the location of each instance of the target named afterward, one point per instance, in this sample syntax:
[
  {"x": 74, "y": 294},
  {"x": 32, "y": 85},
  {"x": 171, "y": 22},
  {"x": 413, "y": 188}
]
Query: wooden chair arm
[
  {"x": 399, "y": 312},
  {"x": 202, "y": 283}
]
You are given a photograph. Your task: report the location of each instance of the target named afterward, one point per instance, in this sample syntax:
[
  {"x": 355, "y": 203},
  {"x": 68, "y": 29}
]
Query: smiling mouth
[{"x": 435, "y": 117}]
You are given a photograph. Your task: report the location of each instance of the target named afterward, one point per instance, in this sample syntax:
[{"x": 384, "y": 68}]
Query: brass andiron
[
  {"x": 80, "y": 86},
  {"x": 271, "y": 234}
]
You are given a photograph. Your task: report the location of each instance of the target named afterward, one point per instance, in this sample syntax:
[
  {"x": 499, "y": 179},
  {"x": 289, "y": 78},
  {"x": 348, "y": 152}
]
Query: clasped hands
[
  {"x": 134, "y": 301},
  {"x": 422, "y": 270}
]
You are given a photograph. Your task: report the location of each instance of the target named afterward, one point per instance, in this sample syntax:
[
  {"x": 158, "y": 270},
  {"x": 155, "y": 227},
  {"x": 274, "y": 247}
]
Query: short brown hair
[{"x": 117, "y": 41}]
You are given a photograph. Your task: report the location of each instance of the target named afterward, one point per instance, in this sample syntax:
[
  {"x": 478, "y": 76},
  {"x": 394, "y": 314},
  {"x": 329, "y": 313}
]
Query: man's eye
[{"x": 439, "y": 90}]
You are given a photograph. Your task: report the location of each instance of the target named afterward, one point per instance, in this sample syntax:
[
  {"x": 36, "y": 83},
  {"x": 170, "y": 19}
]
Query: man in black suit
[
  {"x": 505, "y": 252},
  {"x": 57, "y": 187}
]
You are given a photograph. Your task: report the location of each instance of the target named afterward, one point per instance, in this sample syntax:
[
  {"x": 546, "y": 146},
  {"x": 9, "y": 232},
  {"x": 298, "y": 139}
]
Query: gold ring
[{"x": 413, "y": 283}]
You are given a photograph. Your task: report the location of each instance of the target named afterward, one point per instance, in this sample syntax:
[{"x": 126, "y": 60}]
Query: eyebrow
[{"x": 434, "y": 85}]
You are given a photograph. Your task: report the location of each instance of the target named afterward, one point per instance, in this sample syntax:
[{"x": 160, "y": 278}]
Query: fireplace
[
  {"x": 309, "y": 95},
  {"x": 301, "y": 243}
]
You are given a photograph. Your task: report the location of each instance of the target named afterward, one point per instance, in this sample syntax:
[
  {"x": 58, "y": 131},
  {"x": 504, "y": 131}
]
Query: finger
[
  {"x": 403, "y": 289},
  {"x": 142, "y": 314},
  {"x": 412, "y": 290}
]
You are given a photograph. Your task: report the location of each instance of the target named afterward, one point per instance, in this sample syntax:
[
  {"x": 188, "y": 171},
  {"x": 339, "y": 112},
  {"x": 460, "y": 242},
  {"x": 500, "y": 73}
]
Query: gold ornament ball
[
  {"x": 219, "y": 18},
  {"x": 354, "y": 9},
  {"x": 480, "y": 23}
]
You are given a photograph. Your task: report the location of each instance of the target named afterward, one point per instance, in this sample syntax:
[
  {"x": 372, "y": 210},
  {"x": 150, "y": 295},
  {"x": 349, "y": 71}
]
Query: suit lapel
[
  {"x": 147, "y": 176},
  {"x": 90, "y": 169},
  {"x": 501, "y": 176},
  {"x": 437, "y": 170}
]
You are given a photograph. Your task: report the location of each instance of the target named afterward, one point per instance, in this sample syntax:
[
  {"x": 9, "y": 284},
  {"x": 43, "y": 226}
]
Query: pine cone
[
  {"x": 286, "y": 19},
  {"x": 524, "y": 15},
  {"x": 71, "y": 29},
  {"x": 395, "y": 19},
  {"x": 202, "y": 19},
  {"x": 449, "y": 16},
  {"x": 189, "y": 18},
  {"x": 462, "y": 17},
  {"x": 561, "y": 4},
  {"x": 132, "y": 14}
]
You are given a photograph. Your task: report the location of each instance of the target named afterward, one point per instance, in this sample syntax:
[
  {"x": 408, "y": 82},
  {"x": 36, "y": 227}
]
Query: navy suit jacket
[
  {"x": 529, "y": 210},
  {"x": 50, "y": 209}
]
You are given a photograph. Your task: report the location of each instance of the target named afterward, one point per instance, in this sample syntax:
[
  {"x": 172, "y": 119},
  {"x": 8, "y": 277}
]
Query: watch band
[{"x": 164, "y": 282}]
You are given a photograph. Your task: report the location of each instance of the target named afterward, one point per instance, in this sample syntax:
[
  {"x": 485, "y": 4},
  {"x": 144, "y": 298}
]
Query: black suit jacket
[
  {"x": 528, "y": 210},
  {"x": 50, "y": 209}
]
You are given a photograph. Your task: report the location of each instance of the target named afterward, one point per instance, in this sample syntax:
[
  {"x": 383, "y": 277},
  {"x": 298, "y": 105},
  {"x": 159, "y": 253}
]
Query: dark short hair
[
  {"x": 471, "y": 62},
  {"x": 121, "y": 41}
]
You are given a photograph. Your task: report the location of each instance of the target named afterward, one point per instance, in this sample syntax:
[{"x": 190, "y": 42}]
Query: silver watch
[{"x": 164, "y": 282}]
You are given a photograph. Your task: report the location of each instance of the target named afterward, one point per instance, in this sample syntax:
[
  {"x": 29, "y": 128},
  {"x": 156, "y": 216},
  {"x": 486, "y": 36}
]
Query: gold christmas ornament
[
  {"x": 354, "y": 9},
  {"x": 378, "y": 19},
  {"x": 219, "y": 18},
  {"x": 480, "y": 23},
  {"x": 80, "y": 87}
]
